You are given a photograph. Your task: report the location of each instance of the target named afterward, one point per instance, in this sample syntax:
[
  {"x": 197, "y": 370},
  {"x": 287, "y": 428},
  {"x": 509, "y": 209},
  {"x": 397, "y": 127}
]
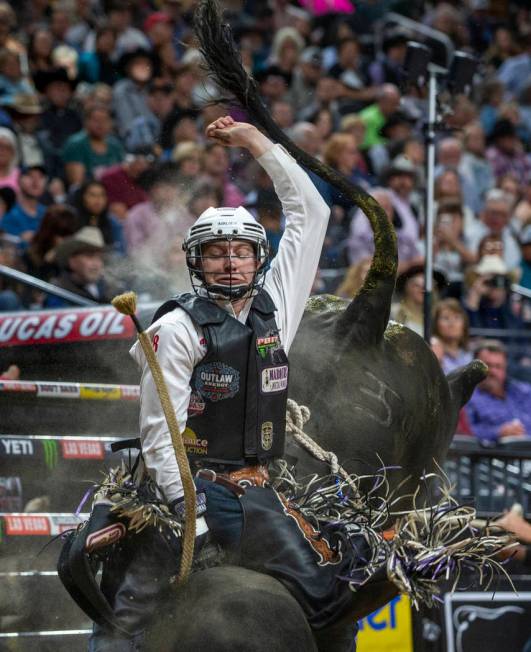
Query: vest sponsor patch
[
  {"x": 266, "y": 438},
  {"x": 196, "y": 405},
  {"x": 194, "y": 445},
  {"x": 216, "y": 381},
  {"x": 274, "y": 379},
  {"x": 265, "y": 344}
]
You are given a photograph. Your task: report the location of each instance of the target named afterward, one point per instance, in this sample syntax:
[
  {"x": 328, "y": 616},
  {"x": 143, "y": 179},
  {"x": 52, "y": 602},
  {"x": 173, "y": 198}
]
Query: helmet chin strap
[{"x": 231, "y": 292}]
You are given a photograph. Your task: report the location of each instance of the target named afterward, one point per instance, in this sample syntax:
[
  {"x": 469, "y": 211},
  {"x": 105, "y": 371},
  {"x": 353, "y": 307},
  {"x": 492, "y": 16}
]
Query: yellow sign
[
  {"x": 387, "y": 629},
  {"x": 108, "y": 393}
]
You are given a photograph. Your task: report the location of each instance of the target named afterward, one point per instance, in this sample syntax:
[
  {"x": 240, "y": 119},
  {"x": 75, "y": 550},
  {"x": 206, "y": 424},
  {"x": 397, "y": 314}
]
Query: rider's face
[{"x": 229, "y": 262}]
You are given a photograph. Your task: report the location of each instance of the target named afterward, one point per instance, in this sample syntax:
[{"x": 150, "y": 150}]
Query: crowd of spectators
[{"x": 104, "y": 164}]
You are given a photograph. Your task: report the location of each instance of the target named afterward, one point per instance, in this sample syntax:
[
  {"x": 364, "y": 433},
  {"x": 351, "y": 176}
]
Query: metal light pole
[
  {"x": 418, "y": 66},
  {"x": 430, "y": 180}
]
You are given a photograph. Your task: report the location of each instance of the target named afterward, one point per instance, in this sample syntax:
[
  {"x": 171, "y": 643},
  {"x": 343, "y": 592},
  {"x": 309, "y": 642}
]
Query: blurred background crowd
[{"x": 104, "y": 163}]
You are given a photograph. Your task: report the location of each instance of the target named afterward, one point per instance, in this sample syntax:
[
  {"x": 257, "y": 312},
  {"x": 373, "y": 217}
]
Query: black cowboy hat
[
  {"x": 271, "y": 71},
  {"x": 131, "y": 55},
  {"x": 439, "y": 277},
  {"x": 43, "y": 78},
  {"x": 502, "y": 128},
  {"x": 396, "y": 118}
]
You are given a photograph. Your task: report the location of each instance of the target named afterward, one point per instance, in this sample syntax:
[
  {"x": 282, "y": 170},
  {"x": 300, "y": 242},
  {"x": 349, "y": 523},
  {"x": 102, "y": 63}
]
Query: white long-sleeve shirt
[{"x": 179, "y": 342}]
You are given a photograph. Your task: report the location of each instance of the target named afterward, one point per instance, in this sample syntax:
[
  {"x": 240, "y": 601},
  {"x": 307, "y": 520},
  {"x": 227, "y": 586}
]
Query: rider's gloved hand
[{"x": 177, "y": 507}]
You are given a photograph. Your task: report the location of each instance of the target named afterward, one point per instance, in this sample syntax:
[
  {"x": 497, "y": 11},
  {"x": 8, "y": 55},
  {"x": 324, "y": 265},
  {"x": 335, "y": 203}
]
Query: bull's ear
[{"x": 464, "y": 380}]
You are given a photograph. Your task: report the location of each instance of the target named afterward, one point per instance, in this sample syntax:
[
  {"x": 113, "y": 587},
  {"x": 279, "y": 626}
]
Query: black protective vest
[{"x": 237, "y": 411}]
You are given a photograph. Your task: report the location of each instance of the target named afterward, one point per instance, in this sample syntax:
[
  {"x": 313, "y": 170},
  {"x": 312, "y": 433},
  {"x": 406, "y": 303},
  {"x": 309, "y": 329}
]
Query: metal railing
[
  {"x": 43, "y": 286},
  {"x": 494, "y": 478}
]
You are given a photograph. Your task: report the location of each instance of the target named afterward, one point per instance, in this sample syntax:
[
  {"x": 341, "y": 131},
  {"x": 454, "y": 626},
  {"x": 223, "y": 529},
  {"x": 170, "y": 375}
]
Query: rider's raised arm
[{"x": 293, "y": 270}]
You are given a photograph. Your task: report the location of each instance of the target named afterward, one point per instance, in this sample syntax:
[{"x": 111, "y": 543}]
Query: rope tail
[
  {"x": 224, "y": 63},
  {"x": 126, "y": 304}
]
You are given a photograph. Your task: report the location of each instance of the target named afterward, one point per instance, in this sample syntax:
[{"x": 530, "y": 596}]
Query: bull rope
[
  {"x": 126, "y": 304},
  {"x": 296, "y": 417},
  {"x": 425, "y": 544}
]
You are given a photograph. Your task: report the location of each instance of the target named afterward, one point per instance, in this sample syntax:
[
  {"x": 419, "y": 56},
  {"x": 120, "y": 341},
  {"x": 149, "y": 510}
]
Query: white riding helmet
[{"x": 225, "y": 224}]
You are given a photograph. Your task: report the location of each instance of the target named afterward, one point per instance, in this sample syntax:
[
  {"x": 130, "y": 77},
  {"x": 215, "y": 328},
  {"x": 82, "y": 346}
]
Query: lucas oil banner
[
  {"x": 58, "y": 326},
  {"x": 388, "y": 629}
]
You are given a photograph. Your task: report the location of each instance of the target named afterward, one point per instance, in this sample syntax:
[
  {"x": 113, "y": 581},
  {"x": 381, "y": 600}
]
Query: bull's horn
[{"x": 464, "y": 380}]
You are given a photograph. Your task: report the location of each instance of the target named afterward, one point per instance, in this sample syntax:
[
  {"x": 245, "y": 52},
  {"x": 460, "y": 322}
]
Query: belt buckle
[{"x": 202, "y": 472}]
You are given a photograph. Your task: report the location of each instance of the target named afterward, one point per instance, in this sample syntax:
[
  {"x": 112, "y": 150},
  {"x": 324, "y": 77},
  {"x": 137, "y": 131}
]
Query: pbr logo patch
[
  {"x": 196, "y": 405},
  {"x": 267, "y": 435},
  {"x": 274, "y": 379},
  {"x": 265, "y": 344},
  {"x": 216, "y": 381}
]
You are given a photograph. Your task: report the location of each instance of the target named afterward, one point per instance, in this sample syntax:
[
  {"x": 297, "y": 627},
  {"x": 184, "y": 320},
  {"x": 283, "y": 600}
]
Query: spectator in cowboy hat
[
  {"x": 495, "y": 219},
  {"x": 388, "y": 68},
  {"x": 488, "y": 299},
  {"x": 59, "y": 120},
  {"x": 80, "y": 258},
  {"x": 130, "y": 94},
  {"x": 400, "y": 178},
  {"x": 25, "y": 111}
]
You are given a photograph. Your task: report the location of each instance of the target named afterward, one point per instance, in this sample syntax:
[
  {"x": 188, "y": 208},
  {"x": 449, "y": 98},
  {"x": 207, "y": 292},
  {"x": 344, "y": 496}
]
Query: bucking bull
[{"x": 377, "y": 397}]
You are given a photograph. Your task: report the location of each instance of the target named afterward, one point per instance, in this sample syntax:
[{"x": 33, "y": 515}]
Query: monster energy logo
[{"x": 50, "y": 453}]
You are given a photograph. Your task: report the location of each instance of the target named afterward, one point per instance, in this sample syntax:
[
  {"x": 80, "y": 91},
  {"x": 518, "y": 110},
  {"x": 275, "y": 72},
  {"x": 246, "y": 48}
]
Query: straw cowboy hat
[
  {"x": 87, "y": 239},
  {"x": 25, "y": 103},
  {"x": 491, "y": 264}
]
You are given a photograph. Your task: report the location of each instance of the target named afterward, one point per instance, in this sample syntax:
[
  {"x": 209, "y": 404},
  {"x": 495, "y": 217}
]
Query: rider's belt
[{"x": 235, "y": 481}]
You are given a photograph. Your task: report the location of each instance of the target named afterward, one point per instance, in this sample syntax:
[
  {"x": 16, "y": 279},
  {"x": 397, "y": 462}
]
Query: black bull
[{"x": 376, "y": 393}]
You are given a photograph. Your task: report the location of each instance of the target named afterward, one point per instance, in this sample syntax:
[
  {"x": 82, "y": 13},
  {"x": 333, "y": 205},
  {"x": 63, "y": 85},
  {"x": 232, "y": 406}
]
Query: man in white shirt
[
  {"x": 180, "y": 343},
  {"x": 222, "y": 351}
]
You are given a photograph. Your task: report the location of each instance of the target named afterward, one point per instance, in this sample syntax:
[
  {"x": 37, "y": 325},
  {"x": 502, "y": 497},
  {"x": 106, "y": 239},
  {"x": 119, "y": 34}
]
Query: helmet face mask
[{"x": 232, "y": 226}]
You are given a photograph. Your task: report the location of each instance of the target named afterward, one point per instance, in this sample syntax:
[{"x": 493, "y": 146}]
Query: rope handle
[
  {"x": 296, "y": 417},
  {"x": 126, "y": 304}
]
